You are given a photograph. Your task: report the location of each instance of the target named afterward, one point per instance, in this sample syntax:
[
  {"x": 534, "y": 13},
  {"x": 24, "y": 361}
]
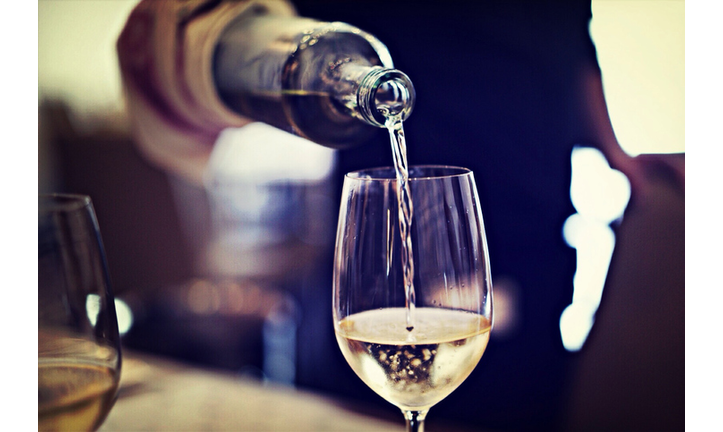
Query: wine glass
[
  {"x": 412, "y": 315},
  {"x": 79, "y": 355}
]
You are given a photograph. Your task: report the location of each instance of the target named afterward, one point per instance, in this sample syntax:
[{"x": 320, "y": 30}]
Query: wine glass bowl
[
  {"x": 412, "y": 327},
  {"x": 79, "y": 354}
]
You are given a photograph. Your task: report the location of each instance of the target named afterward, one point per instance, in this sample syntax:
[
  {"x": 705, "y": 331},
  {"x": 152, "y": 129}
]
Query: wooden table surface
[{"x": 161, "y": 395}]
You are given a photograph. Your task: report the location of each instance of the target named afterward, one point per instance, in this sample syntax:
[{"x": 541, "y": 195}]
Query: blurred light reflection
[
  {"x": 123, "y": 312},
  {"x": 125, "y": 316},
  {"x": 92, "y": 308},
  {"x": 207, "y": 297},
  {"x": 600, "y": 195},
  {"x": 507, "y": 315}
]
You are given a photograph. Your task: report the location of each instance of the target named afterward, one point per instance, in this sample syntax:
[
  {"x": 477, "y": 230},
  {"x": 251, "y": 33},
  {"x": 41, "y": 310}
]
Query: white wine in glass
[
  {"x": 412, "y": 287},
  {"x": 79, "y": 354}
]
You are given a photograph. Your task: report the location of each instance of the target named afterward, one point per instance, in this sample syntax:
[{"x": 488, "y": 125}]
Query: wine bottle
[{"x": 329, "y": 82}]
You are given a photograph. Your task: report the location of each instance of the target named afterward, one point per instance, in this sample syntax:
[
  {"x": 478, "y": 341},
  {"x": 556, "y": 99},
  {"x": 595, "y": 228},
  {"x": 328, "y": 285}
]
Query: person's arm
[{"x": 165, "y": 53}]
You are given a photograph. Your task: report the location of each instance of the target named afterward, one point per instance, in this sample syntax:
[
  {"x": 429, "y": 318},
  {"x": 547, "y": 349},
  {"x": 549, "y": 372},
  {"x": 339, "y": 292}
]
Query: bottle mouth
[{"x": 385, "y": 95}]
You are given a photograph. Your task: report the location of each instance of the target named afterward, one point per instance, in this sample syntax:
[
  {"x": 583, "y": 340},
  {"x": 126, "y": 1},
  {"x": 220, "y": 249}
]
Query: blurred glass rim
[
  {"x": 56, "y": 202},
  {"x": 416, "y": 172}
]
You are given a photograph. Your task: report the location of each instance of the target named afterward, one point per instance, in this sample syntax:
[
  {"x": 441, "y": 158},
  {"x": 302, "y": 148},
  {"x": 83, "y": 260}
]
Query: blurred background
[{"x": 235, "y": 272}]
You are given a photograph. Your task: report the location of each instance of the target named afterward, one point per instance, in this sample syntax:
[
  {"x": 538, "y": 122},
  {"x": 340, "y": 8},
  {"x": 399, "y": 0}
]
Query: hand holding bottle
[{"x": 192, "y": 69}]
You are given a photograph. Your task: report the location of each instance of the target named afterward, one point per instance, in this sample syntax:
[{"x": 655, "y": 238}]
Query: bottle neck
[
  {"x": 377, "y": 95},
  {"x": 329, "y": 82}
]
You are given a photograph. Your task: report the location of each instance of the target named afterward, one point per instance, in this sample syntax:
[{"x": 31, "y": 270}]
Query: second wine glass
[
  {"x": 79, "y": 350},
  {"x": 412, "y": 314}
]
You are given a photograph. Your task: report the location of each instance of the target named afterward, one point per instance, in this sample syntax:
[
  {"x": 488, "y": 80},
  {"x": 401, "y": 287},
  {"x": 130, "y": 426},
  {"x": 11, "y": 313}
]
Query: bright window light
[{"x": 641, "y": 51}]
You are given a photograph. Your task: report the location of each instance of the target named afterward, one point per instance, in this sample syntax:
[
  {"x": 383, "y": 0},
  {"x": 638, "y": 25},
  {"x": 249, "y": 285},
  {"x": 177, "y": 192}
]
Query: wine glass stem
[{"x": 415, "y": 420}]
